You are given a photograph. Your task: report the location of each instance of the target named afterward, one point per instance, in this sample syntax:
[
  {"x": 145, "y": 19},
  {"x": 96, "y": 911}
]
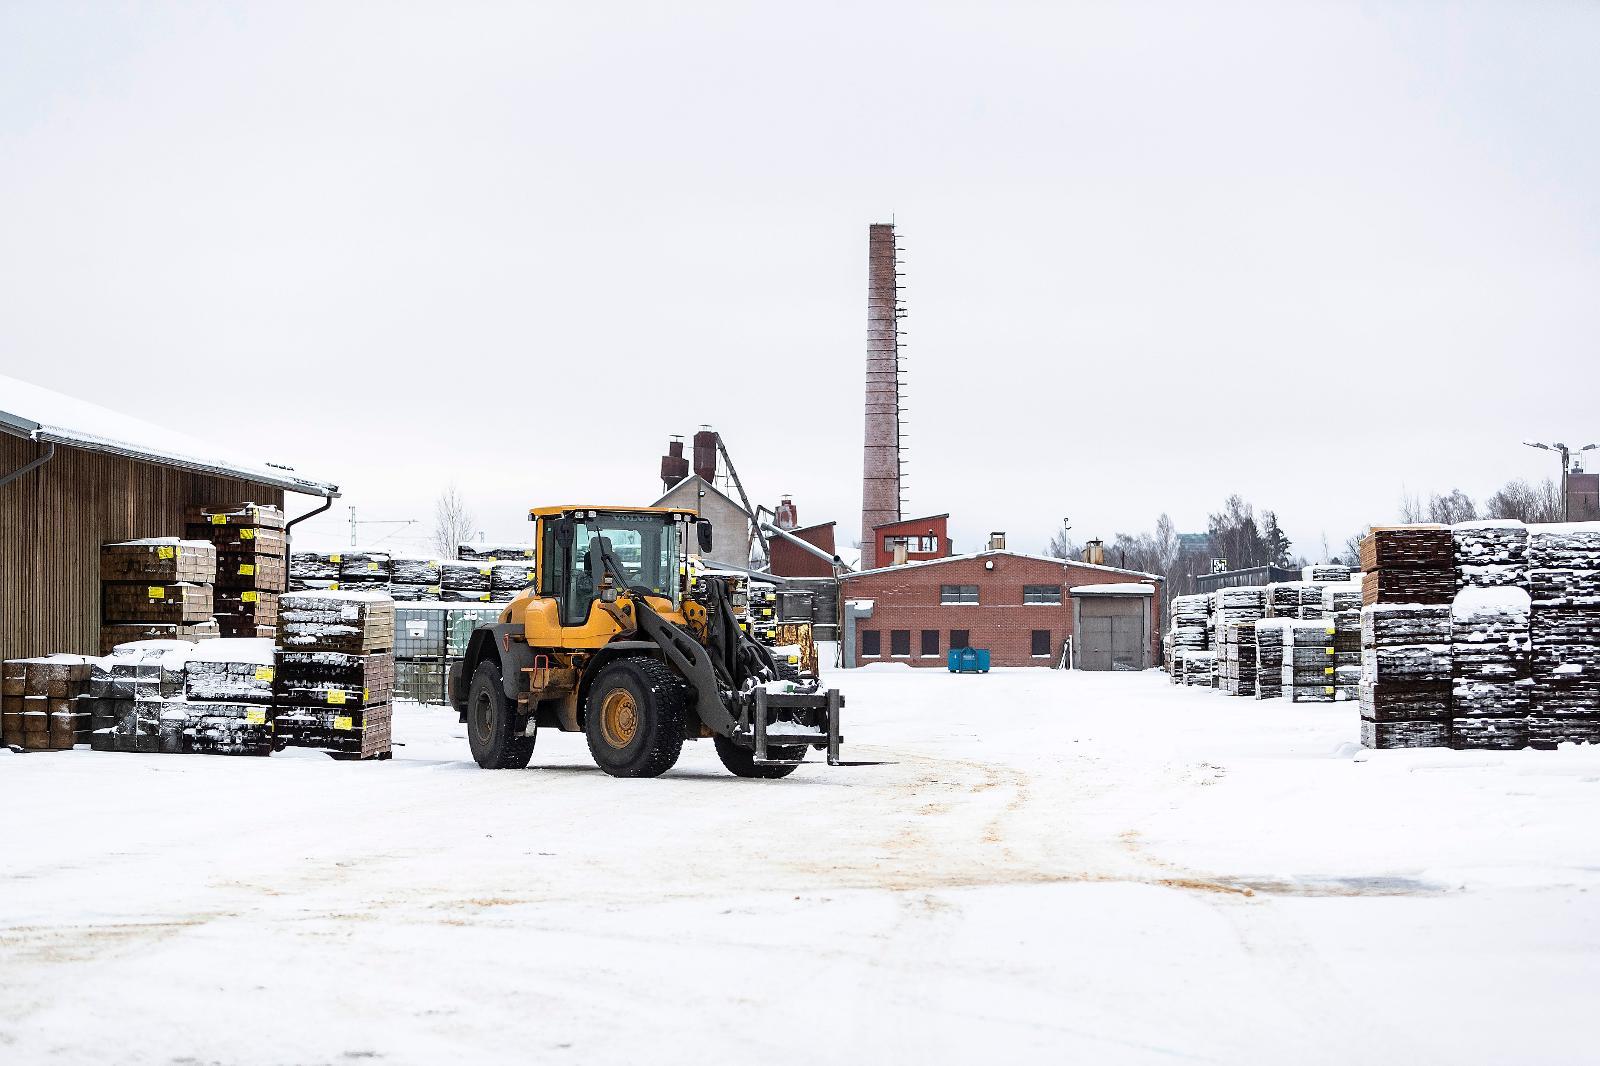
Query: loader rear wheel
[
  {"x": 741, "y": 762},
  {"x": 494, "y": 728},
  {"x": 634, "y": 718}
]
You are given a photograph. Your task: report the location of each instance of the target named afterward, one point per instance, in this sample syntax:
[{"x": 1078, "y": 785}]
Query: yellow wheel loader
[{"x": 615, "y": 639}]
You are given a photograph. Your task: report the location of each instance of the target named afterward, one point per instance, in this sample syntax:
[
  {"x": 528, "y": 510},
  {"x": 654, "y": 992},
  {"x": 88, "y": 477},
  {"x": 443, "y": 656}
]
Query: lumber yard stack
[
  {"x": 1490, "y": 554},
  {"x": 1308, "y": 670},
  {"x": 1239, "y": 658},
  {"x": 1325, "y": 573},
  {"x": 365, "y": 571},
  {"x": 1189, "y": 633},
  {"x": 1269, "y": 637},
  {"x": 1564, "y": 576},
  {"x": 311, "y": 571},
  {"x": 1199, "y": 668},
  {"x": 1406, "y": 675},
  {"x": 1490, "y": 649},
  {"x": 226, "y": 705},
  {"x": 251, "y": 570},
  {"x": 495, "y": 552},
  {"x": 1341, "y": 605},
  {"x": 335, "y": 675},
  {"x": 466, "y": 582},
  {"x": 42, "y": 702},
  {"x": 1408, "y": 564},
  {"x": 156, "y": 588},
  {"x": 413, "y": 578},
  {"x": 508, "y": 579}
]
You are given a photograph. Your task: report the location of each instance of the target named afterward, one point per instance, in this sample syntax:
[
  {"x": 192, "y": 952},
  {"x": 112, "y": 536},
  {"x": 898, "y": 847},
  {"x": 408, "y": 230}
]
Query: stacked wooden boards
[
  {"x": 335, "y": 684},
  {"x": 252, "y": 571},
  {"x": 156, "y": 588}
]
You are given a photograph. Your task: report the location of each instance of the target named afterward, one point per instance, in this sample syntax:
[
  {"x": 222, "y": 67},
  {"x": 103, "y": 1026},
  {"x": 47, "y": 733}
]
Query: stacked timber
[
  {"x": 1341, "y": 605},
  {"x": 413, "y": 578},
  {"x": 131, "y": 688},
  {"x": 466, "y": 582},
  {"x": 1269, "y": 636},
  {"x": 1238, "y": 674},
  {"x": 365, "y": 571},
  {"x": 495, "y": 552},
  {"x": 1490, "y": 554},
  {"x": 1199, "y": 668},
  {"x": 1564, "y": 575},
  {"x": 156, "y": 588},
  {"x": 1283, "y": 599},
  {"x": 251, "y": 564},
  {"x": 1491, "y": 643},
  {"x": 311, "y": 571},
  {"x": 1326, "y": 573},
  {"x": 43, "y": 702},
  {"x": 508, "y": 579},
  {"x": 1308, "y": 665},
  {"x": 335, "y": 679},
  {"x": 1406, "y": 675},
  {"x": 1189, "y": 616},
  {"x": 1408, "y": 564},
  {"x": 226, "y": 705}
]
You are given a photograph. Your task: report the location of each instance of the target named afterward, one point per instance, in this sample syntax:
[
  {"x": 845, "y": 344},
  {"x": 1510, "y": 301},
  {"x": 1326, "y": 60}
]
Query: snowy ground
[{"x": 1055, "y": 865}]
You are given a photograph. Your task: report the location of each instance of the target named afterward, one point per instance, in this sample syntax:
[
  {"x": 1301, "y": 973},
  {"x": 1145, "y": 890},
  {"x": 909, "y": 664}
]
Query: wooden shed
[{"x": 73, "y": 476}]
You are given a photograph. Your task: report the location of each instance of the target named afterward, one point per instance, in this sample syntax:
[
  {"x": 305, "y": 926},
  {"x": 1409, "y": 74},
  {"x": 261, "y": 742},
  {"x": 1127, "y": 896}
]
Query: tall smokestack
[{"x": 880, "y": 479}]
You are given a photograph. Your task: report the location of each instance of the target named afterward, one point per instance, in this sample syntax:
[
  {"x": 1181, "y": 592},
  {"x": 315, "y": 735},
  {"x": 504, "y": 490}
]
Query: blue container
[{"x": 968, "y": 661}]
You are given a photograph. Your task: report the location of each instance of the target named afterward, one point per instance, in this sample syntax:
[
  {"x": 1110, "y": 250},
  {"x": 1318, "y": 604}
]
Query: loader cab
[{"x": 649, "y": 545}]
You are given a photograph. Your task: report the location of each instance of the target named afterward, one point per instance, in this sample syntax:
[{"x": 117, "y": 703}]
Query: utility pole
[
  {"x": 355, "y": 525},
  {"x": 1565, "y": 455}
]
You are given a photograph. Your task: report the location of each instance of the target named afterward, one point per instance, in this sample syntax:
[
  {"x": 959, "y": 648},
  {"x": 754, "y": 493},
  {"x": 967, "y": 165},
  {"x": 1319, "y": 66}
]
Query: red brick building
[
  {"x": 1022, "y": 608},
  {"x": 924, "y": 538},
  {"x": 790, "y": 560}
]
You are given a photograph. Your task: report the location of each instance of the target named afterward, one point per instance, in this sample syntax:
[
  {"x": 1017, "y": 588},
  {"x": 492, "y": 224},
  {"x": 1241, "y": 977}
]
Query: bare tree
[
  {"x": 1526, "y": 502},
  {"x": 1062, "y": 546},
  {"x": 1456, "y": 507},
  {"x": 453, "y": 522},
  {"x": 1411, "y": 509},
  {"x": 1352, "y": 551}
]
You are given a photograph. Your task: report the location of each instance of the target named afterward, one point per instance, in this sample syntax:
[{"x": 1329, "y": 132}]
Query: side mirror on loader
[{"x": 702, "y": 530}]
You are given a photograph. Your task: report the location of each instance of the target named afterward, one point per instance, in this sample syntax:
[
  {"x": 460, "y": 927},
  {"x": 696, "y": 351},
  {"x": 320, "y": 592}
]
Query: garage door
[{"x": 1111, "y": 632}]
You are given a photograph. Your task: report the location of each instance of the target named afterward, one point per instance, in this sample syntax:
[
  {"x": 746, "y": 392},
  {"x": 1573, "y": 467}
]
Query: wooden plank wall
[{"x": 53, "y": 521}]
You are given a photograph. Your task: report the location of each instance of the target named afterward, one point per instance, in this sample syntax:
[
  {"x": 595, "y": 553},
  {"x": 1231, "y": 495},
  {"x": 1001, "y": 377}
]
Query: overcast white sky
[{"x": 1312, "y": 254}]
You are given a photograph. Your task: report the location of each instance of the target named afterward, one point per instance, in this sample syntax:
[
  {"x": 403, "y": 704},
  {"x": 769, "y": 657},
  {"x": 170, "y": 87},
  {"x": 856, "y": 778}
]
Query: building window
[
  {"x": 1041, "y": 643},
  {"x": 958, "y": 639},
  {"x": 900, "y": 643},
  {"x": 1041, "y": 594},
  {"x": 949, "y": 594},
  {"x": 870, "y": 647},
  {"x": 930, "y": 642}
]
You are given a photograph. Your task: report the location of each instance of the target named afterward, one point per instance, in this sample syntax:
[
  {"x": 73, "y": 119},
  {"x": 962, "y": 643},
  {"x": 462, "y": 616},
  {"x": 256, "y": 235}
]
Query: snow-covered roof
[
  {"x": 50, "y": 417},
  {"x": 1114, "y": 588},
  {"x": 1013, "y": 554}
]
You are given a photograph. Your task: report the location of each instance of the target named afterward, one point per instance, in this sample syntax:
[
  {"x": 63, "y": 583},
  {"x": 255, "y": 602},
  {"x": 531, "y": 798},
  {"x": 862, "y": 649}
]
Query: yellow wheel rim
[{"x": 619, "y": 718}]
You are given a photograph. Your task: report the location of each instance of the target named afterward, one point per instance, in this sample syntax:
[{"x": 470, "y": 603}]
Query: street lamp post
[{"x": 1565, "y": 454}]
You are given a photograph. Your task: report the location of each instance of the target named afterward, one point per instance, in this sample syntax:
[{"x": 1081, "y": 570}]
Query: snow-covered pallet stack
[
  {"x": 1239, "y": 658},
  {"x": 251, "y": 574},
  {"x": 1308, "y": 670},
  {"x": 43, "y": 702},
  {"x": 412, "y": 578},
  {"x": 129, "y": 690},
  {"x": 226, "y": 705},
  {"x": 1189, "y": 632},
  {"x": 1565, "y": 579},
  {"x": 160, "y": 587},
  {"x": 466, "y": 582},
  {"x": 1490, "y": 645},
  {"x": 1269, "y": 638},
  {"x": 508, "y": 579},
  {"x": 1326, "y": 573},
  {"x": 1405, "y": 679},
  {"x": 1490, "y": 554},
  {"x": 1408, "y": 564},
  {"x": 1341, "y": 604},
  {"x": 1200, "y": 668},
  {"x": 314, "y": 571},
  {"x": 364, "y": 571},
  {"x": 1283, "y": 599},
  {"x": 338, "y": 662},
  {"x": 501, "y": 552}
]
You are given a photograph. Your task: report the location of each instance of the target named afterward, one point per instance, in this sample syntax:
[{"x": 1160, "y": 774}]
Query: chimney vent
[
  {"x": 901, "y": 548},
  {"x": 1095, "y": 552},
  {"x": 997, "y": 541}
]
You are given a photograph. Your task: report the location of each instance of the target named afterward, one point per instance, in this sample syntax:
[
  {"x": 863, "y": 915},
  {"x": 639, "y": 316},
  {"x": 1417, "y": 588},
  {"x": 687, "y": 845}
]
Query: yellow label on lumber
[
  {"x": 1328, "y": 650},
  {"x": 366, "y": 695},
  {"x": 263, "y": 673},
  {"x": 485, "y": 571},
  {"x": 248, "y": 597},
  {"x": 434, "y": 589},
  {"x": 336, "y": 695},
  {"x": 1328, "y": 670},
  {"x": 166, "y": 553},
  {"x": 247, "y": 534},
  {"x": 156, "y": 592},
  {"x": 1328, "y": 691},
  {"x": 219, "y": 519},
  {"x": 333, "y": 586},
  {"x": 334, "y": 558},
  {"x": 256, "y": 716},
  {"x": 1331, "y": 631},
  {"x": 343, "y": 722},
  {"x": 484, "y": 598},
  {"x": 247, "y": 569},
  {"x": 372, "y": 566}
]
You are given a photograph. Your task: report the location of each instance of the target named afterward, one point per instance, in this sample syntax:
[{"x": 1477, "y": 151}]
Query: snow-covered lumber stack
[
  {"x": 364, "y": 571},
  {"x": 157, "y": 587},
  {"x": 1199, "y": 668},
  {"x": 129, "y": 690},
  {"x": 497, "y": 552},
  {"x": 1565, "y": 571},
  {"x": 1308, "y": 665},
  {"x": 1239, "y": 658},
  {"x": 464, "y": 582},
  {"x": 1189, "y": 616},
  {"x": 1269, "y": 637},
  {"x": 413, "y": 578},
  {"x": 1490, "y": 553},
  {"x": 1283, "y": 599},
  {"x": 1341, "y": 606},
  {"x": 225, "y": 708},
  {"x": 251, "y": 571},
  {"x": 314, "y": 571},
  {"x": 1408, "y": 564},
  {"x": 508, "y": 579},
  {"x": 337, "y": 669},
  {"x": 43, "y": 702},
  {"x": 1405, "y": 680},
  {"x": 1491, "y": 641},
  {"x": 1326, "y": 573}
]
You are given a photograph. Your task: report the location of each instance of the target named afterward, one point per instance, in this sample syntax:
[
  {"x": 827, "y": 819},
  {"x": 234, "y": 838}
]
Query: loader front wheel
[
  {"x": 634, "y": 718},
  {"x": 741, "y": 762},
  {"x": 494, "y": 728}
]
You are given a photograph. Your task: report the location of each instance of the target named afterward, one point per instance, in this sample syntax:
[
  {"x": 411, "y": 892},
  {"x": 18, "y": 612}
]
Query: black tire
[
  {"x": 494, "y": 728},
  {"x": 634, "y": 718},
  {"x": 741, "y": 762}
]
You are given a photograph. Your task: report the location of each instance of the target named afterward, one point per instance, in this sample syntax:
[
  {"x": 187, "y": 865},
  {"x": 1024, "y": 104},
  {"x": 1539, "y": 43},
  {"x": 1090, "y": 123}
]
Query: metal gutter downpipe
[
  {"x": 327, "y": 502},
  {"x": 49, "y": 454}
]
